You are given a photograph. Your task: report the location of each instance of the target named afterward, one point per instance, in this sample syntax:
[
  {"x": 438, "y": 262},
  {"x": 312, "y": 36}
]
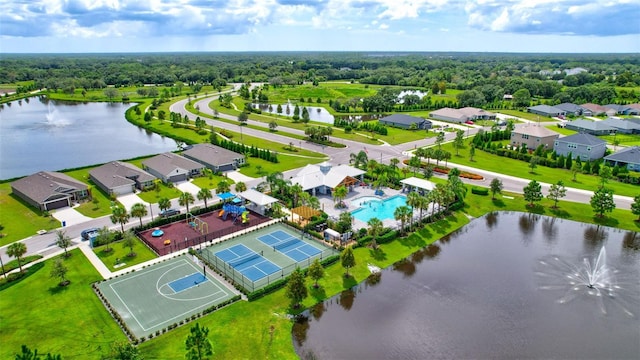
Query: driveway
[
  {"x": 70, "y": 216},
  {"x": 237, "y": 176},
  {"x": 128, "y": 200},
  {"x": 188, "y": 187}
]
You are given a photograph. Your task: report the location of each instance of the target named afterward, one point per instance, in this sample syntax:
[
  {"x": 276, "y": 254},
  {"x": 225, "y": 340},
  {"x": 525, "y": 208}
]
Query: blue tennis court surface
[
  {"x": 187, "y": 282},
  {"x": 249, "y": 263},
  {"x": 290, "y": 245}
]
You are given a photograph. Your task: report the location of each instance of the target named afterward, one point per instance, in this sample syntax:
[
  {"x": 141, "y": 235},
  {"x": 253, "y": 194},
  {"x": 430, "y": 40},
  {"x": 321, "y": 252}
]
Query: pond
[
  {"x": 508, "y": 285},
  {"x": 41, "y": 134},
  {"x": 316, "y": 113}
]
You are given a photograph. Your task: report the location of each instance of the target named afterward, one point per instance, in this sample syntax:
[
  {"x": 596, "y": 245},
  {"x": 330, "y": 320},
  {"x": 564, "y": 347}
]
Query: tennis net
[
  {"x": 286, "y": 243},
  {"x": 244, "y": 259}
]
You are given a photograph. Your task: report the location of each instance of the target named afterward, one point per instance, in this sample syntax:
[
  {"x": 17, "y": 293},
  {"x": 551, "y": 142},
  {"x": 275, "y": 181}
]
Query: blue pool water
[{"x": 382, "y": 209}]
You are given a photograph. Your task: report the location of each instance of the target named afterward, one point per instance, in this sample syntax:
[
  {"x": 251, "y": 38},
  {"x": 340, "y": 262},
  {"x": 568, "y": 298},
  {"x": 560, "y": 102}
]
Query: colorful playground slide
[
  {"x": 221, "y": 213},
  {"x": 245, "y": 217}
]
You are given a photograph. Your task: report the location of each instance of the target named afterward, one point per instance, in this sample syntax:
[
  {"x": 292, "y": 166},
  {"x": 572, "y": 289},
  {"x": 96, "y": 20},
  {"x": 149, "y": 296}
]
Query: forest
[{"x": 484, "y": 77}]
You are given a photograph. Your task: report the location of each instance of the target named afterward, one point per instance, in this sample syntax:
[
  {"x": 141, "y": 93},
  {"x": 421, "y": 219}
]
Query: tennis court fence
[{"x": 231, "y": 274}]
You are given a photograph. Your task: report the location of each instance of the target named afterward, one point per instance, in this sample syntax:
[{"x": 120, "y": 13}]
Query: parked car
[
  {"x": 169, "y": 212},
  {"x": 88, "y": 234},
  {"x": 469, "y": 122}
]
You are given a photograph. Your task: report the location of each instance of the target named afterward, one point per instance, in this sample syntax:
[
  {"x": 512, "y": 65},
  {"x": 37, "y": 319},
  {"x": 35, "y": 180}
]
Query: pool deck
[{"x": 327, "y": 204}]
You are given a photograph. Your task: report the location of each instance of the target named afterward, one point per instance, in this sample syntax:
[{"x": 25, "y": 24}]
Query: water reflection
[
  {"x": 594, "y": 237},
  {"x": 300, "y": 328},
  {"x": 491, "y": 219},
  {"x": 347, "y": 298},
  {"x": 631, "y": 241},
  {"x": 549, "y": 229}
]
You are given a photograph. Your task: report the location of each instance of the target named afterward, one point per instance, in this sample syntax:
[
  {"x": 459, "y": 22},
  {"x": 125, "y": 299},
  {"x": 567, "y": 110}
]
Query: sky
[{"x": 98, "y": 26}]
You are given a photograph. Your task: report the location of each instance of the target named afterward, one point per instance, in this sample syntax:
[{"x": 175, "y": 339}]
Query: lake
[
  {"x": 51, "y": 135},
  {"x": 505, "y": 286}
]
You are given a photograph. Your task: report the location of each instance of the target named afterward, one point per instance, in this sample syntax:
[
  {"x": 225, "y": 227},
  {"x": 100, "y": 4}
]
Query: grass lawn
[
  {"x": 623, "y": 139},
  {"x": 153, "y": 196},
  {"x": 242, "y": 330},
  {"x": 286, "y": 163},
  {"x": 210, "y": 182},
  {"x": 507, "y": 166},
  {"x": 19, "y": 219},
  {"x": 524, "y": 115},
  {"x": 70, "y": 321},
  {"x": 121, "y": 252},
  {"x": 561, "y": 131},
  {"x": 325, "y": 91}
]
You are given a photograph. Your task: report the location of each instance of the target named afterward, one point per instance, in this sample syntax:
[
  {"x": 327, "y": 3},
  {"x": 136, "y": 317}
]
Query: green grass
[
  {"x": 120, "y": 252},
  {"x": 623, "y": 139},
  {"x": 561, "y": 131},
  {"x": 525, "y": 115},
  {"x": 19, "y": 219},
  {"x": 210, "y": 182},
  {"x": 13, "y": 264},
  {"x": 325, "y": 91},
  {"x": 152, "y": 196},
  {"x": 70, "y": 321},
  {"x": 517, "y": 168},
  {"x": 286, "y": 163},
  {"x": 242, "y": 330}
]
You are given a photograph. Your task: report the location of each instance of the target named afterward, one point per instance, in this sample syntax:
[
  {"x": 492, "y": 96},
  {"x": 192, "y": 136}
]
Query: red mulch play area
[{"x": 181, "y": 235}]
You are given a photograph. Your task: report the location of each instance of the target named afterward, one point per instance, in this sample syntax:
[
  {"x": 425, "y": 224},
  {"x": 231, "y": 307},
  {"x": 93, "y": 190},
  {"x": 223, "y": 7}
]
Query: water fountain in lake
[
  {"x": 54, "y": 119},
  {"x": 587, "y": 279}
]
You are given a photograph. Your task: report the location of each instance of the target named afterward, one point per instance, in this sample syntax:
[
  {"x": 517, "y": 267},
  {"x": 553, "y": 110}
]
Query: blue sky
[{"x": 63, "y": 26}]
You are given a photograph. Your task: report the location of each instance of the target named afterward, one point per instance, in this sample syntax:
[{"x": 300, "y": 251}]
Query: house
[
  {"x": 621, "y": 109},
  {"x": 546, "y": 110},
  {"x": 170, "y": 167},
  {"x": 120, "y": 178},
  {"x": 405, "y": 121},
  {"x": 47, "y": 190},
  {"x": 583, "y": 146},
  {"x": 629, "y": 157},
  {"x": 323, "y": 178},
  {"x": 573, "y": 109},
  {"x": 214, "y": 157},
  {"x": 590, "y": 127},
  {"x": 533, "y": 135},
  {"x": 595, "y": 109},
  {"x": 461, "y": 115},
  {"x": 622, "y": 125}
]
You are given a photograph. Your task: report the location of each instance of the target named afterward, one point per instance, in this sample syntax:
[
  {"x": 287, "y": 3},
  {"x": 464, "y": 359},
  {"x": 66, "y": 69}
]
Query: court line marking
[{"x": 181, "y": 262}]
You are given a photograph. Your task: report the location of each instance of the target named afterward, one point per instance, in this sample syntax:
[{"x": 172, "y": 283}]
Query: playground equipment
[
  {"x": 234, "y": 210},
  {"x": 245, "y": 217},
  {"x": 221, "y": 213},
  {"x": 197, "y": 224}
]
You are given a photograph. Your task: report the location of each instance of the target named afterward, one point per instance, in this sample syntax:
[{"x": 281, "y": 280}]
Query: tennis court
[
  {"x": 258, "y": 258},
  {"x": 160, "y": 295}
]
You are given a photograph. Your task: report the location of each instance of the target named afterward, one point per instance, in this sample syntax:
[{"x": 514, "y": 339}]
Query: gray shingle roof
[
  {"x": 168, "y": 162},
  {"x": 621, "y": 124},
  {"x": 590, "y": 125},
  {"x": 212, "y": 154},
  {"x": 117, "y": 173},
  {"x": 403, "y": 119},
  {"x": 568, "y": 107},
  {"x": 630, "y": 155},
  {"x": 546, "y": 109},
  {"x": 45, "y": 184},
  {"x": 582, "y": 139}
]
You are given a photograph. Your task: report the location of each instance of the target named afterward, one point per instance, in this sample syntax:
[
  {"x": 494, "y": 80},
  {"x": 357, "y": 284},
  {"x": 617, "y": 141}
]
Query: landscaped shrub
[
  {"x": 15, "y": 278},
  {"x": 479, "y": 190}
]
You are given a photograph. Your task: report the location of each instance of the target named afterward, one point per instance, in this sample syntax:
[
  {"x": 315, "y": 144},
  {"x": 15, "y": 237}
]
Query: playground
[
  {"x": 163, "y": 294},
  {"x": 194, "y": 230}
]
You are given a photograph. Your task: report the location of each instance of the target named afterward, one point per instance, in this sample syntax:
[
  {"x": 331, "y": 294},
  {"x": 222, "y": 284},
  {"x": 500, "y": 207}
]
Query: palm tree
[
  {"x": 375, "y": 229},
  {"x": 273, "y": 180},
  {"x": 138, "y": 210},
  {"x": 402, "y": 214},
  {"x": 414, "y": 200},
  {"x": 372, "y": 165},
  {"x": 185, "y": 199},
  {"x": 339, "y": 193},
  {"x": 16, "y": 250},
  {"x": 314, "y": 202},
  {"x": 120, "y": 216},
  {"x": 456, "y": 185},
  {"x": 360, "y": 159},
  {"x": 204, "y": 194},
  {"x": 164, "y": 203},
  {"x": 241, "y": 186},
  {"x": 223, "y": 187},
  {"x": 296, "y": 191},
  {"x": 63, "y": 241}
]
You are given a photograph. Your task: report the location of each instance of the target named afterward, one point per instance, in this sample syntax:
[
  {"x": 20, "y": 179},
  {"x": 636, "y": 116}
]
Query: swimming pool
[{"x": 371, "y": 207}]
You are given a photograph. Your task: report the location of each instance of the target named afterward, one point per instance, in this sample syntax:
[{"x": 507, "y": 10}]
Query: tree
[
  {"x": 375, "y": 229},
  {"x": 124, "y": 350},
  {"x": 440, "y": 139},
  {"x": 120, "y": 216},
  {"x": 339, "y": 193},
  {"x": 223, "y": 187},
  {"x": 521, "y": 97},
  {"x": 138, "y": 210},
  {"x": 472, "y": 152},
  {"x": 60, "y": 271},
  {"x": 28, "y": 354},
  {"x": 347, "y": 259},
  {"x": 532, "y": 193},
  {"x": 456, "y": 185},
  {"x": 185, "y": 199},
  {"x": 204, "y": 194},
  {"x": 359, "y": 159},
  {"x": 198, "y": 345},
  {"x": 605, "y": 174},
  {"x": 496, "y": 187},
  {"x": 243, "y": 117},
  {"x": 602, "y": 201},
  {"x": 241, "y": 186},
  {"x": 635, "y": 206},
  {"x": 556, "y": 192},
  {"x": 402, "y": 214},
  {"x": 273, "y": 125},
  {"x": 316, "y": 272},
  {"x": 164, "y": 204},
  {"x": 575, "y": 169},
  {"x": 533, "y": 163},
  {"x": 458, "y": 142},
  {"x": 16, "y": 250},
  {"x": 129, "y": 240},
  {"x": 345, "y": 222},
  {"x": 296, "y": 288},
  {"x": 63, "y": 241},
  {"x": 104, "y": 238}
]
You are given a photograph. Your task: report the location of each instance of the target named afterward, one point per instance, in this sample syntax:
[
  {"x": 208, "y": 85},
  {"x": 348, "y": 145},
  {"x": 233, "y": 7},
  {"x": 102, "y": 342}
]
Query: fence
[{"x": 250, "y": 286}]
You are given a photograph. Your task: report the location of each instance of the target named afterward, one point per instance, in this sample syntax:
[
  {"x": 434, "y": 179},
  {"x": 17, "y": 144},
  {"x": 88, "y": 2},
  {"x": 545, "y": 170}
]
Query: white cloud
[{"x": 383, "y": 26}]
